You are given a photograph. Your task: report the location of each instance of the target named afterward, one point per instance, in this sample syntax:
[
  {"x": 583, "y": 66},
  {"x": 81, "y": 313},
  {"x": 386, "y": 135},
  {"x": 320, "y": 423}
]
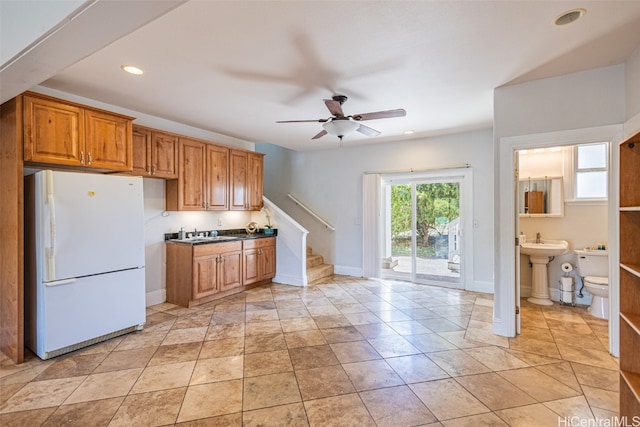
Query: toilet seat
[{"x": 597, "y": 280}]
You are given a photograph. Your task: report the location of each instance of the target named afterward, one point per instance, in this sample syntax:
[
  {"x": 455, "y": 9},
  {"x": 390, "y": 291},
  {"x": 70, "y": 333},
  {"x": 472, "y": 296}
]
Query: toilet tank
[{"x": 592, "y": 263}]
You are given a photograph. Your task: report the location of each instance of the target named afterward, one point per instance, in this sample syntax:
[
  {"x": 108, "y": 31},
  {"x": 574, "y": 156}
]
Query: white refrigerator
[{"x": 84, "y": 259}]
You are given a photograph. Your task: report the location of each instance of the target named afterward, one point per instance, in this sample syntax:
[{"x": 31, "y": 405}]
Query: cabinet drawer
[
  {"x": 216, "y": 248},
  {"x": 259, "y": 243}
]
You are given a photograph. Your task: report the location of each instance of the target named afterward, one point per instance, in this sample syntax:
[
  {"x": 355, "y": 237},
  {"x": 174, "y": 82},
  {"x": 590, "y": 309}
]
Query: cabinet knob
[
  {"x": 82, "y": 157},
  {"x": 89, "y": 158},
  {"x": 153, "y": 170},
  {"x": 148, "y": 170}
]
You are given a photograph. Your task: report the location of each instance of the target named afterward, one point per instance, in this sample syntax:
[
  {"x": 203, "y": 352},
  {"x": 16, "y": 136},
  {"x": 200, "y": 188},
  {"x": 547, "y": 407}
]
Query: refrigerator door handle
[
  {"x": 60, "y": 282},
  {"x": 51, "y": 250}
]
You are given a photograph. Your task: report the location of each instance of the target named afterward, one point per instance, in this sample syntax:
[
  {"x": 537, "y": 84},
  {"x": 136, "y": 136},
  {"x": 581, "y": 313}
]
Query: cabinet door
[
  {"x": 107, "y": 141},
  {"x": 217, "y": 178},
  {"x": 254, "y": 181},
  {"x": 268, "y": 262},
  {"x": 231, "y": 270},
  {"x": 191, "y": 183},
  {"x": 53, "y": 132},
  {"x": 205, "y": 275},
  {"x": 251, "y": 266},
  {"x": 238, "y": 180},
  {"x": 164, "y": 155},
  {"x": 141, "y": 151}
]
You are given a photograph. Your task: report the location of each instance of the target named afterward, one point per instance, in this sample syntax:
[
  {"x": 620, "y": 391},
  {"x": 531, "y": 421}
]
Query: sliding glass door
[{"x": 422, "y": 230}]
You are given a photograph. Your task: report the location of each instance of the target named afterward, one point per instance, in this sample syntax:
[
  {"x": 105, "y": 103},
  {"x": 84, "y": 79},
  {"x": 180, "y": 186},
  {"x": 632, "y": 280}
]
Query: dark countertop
[{"x": 223, "y": 236}]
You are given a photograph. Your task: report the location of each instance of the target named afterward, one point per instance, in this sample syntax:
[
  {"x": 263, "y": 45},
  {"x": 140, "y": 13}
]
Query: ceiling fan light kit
[{"x": 340, "y": 125}]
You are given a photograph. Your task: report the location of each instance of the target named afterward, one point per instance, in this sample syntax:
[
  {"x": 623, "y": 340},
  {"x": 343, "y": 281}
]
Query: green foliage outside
[{"x": 436, "y": 205}]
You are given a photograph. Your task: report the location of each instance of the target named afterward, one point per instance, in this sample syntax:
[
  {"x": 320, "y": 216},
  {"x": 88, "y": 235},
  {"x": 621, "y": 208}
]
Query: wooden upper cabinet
[
  {"x": 141, "y": 149},
  {"x": 191, "y": 183},
  {"x": 107, "y": 141},
  {"x": 53, "y": 132},
  {"x": 217, "y": 178},
  {"x": 63, "y": 133},
  {"x": 155, "y": 153},
  {"x": 246, "y": 169}
]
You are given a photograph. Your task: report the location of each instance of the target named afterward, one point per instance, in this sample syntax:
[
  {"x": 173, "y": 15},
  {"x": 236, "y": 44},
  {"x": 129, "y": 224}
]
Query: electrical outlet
[{"x": 219, "y": 222}]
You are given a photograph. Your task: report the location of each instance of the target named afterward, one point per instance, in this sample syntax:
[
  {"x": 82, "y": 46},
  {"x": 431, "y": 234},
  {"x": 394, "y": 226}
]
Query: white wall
[
  {"x": 330, "y": 183},
  {"x": 577, "y": 101},
  {"x": 632, "y": 81}
]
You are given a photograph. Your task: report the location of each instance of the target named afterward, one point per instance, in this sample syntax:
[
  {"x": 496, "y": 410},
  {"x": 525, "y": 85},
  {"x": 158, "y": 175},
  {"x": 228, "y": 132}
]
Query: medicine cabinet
[{"x": 541, "y": 197}]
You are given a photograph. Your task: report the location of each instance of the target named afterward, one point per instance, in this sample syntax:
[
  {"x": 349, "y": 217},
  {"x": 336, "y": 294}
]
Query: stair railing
[{"x": 312, "y": 213}]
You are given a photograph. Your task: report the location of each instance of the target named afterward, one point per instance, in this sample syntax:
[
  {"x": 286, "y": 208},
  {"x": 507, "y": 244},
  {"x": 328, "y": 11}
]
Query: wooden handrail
[{"x": 312, "y": 213}]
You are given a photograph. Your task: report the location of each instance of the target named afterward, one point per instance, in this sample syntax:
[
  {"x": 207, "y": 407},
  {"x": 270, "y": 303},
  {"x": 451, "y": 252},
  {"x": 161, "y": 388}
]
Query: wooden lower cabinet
[
  {"x": 197, "y": 274},
  {"x": 259, "y": 260}
]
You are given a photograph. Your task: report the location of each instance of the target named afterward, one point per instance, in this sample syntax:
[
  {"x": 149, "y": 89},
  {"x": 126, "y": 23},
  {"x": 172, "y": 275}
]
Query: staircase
[{"x": 316, "y": 268}]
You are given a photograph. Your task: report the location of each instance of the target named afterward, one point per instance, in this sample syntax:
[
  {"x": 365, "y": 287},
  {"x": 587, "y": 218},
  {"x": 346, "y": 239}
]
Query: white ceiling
[{"x": 236, "y": 67}]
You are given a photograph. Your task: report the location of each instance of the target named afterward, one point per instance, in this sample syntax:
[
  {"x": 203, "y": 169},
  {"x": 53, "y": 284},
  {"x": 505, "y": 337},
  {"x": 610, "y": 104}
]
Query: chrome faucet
[{"x": 537, "y": 237}]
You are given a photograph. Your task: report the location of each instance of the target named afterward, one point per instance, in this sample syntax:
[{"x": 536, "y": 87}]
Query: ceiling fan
[{"x": 341, "y": 125}]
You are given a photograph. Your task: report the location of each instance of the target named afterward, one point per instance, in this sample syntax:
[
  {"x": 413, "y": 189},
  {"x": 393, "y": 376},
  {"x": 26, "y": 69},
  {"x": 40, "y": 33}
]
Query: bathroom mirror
[{"x": 541, "y": 197}]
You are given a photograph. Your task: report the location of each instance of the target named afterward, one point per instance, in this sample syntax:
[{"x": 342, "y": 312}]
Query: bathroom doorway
[{"x": 572, "y": 184}]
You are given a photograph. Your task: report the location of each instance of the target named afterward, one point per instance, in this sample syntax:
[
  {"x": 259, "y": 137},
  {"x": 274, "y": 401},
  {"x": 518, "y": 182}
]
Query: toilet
[{"x": 593, "y": 267}]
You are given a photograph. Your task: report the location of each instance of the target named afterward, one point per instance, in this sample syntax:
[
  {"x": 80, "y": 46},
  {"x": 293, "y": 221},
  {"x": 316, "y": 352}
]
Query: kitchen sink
[{"x": 203, "y": 239}]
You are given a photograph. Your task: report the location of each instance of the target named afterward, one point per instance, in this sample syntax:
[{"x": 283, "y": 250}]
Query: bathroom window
[{"x": 591, "y": 171}]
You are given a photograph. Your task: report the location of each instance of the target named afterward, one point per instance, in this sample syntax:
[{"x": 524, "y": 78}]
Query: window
[{"x": 591, "y": 171}]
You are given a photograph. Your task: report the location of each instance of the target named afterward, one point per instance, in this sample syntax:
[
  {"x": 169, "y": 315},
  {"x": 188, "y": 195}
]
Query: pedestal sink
[{"x": 540, "y": 254}]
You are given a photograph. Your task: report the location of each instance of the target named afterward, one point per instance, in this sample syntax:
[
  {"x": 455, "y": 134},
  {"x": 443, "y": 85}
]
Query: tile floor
[{"x": 346, "y": 352}]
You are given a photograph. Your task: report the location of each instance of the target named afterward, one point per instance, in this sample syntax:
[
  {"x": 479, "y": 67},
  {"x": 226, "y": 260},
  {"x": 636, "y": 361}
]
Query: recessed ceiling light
[
  {"x": 132, "y": 70},
  {"x": 569, "y": 17}
]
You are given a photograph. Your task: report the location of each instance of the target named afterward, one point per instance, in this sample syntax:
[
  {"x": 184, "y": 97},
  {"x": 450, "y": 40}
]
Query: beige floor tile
[
  {"x": 531, "y": 345},
  {"x": 35, "y": 417},
  {"x": 261, "y": 343},
  {"x": 160, "y": 377},
  {"x": 375, "y": 330},
  {"x": 196, "y": 320},
  {"x": 104, "y": 386},
  {"x": 457, "y": 338},
  {"x": 354, "y": 351},
  {"x": 572, "y": 407},
  {"x": 218, "y": 369},
  {"x": 393, "y": 346},
  {"x": 496, "y": 358},
  {"x": 175, "y": 353},
  {"x": 293, "y": 313},
  {"x": 562, "y": 372},
  {"x": 230, "y": 330},
  {"x": 588, "y": 356},
  {"x": 292, "y": 415},
  {"x": 396, "y": 406},
  {"x": 261, "y": 316},
  {"x": 538, "y": 385},
  {"x": 142, "y": 339},
  {"x": 211, "y": 400},
  {"x": 263, "y": 328},
  {"x": 343, "y": 334},
  {"x": 416, "y": 368},
  {"x": 592, "y": 376},
  {"x": 95, "y": 413},
  {"x": 447, "y": 399},
  {"x": 183, "y": 336},
  {"x": 127, "y": 359},
  {"x": 149, "y": 409},
  {"x": 486, "y": 335},
  {"x": 270, "y": 390},
  {"x": 440, "y": 325},
  {"x": 528, "y": 416},
  {"x": 331, "y": 321},
  {"x": 72, "y": 365},
  {"x": 533, "y": 359},
  {"x": 304, "y": 338},
  {"x": 485, "y": 420},
  {"x": 541, "y": 334},
  {"x": 603, "y": 399},
  {"x": 338, "y": 411},
  {"x": 324, "y": 381},
  {"x": 41, "y": 394},
  {"x": 269, "y": 362},
  {"x": 494, "y": 391},
  {"x": 429, "y": 343},
  {"x": 578, "y": 340},
  {"x": 312, "y": 357},
  {"x": 457, "y": 362},
  {"x": 371, "y": 374},
  {"x": 222, "y": 348},
  {"x": 298, "y": 324}
]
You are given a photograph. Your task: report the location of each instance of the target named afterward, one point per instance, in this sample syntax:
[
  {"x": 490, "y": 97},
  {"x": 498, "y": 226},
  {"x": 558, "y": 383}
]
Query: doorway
[{"x": 423, "y": 218}]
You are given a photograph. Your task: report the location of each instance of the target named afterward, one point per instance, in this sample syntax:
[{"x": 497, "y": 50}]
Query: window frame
[{"x": 573, "y": 167}]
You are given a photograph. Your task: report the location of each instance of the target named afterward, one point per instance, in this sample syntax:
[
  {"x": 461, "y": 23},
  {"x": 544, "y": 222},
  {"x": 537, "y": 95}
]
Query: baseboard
[
  {"x": 525, "y": 291},
  {"x": 482, "y": 286},
  {"x": 291, "y": 280},
  {"x": 346, "y": 270},
  {"x": 155, "y": 297}
]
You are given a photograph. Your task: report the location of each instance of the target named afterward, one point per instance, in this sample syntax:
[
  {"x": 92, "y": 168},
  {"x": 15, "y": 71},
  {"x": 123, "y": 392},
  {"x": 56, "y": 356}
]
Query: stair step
[
  {"x": 318, "y": 272},
  {"x": 313, "y": 260}
]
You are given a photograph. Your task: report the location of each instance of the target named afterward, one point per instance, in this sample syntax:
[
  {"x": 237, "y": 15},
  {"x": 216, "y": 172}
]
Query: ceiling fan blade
[
  {"x": 380, "y": 115},
  {"x": 334, "y": 107},
  {"x": 320, "y": 134},
  {"x": 303, "y": 121},
  {"x": 366, "y": 130}
]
